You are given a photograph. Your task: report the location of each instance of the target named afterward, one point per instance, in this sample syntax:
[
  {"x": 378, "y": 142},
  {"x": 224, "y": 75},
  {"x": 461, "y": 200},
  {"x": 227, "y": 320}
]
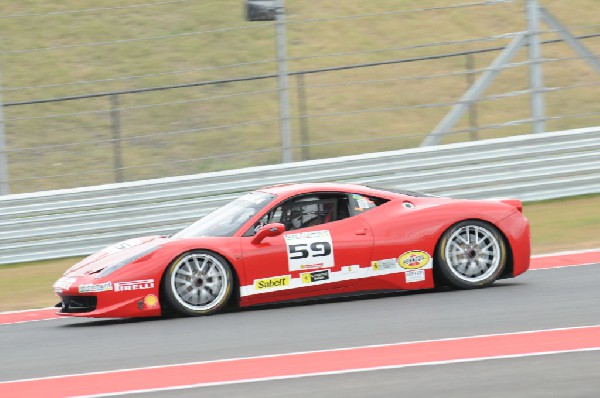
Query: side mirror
[{"x": 271, "y": 230}]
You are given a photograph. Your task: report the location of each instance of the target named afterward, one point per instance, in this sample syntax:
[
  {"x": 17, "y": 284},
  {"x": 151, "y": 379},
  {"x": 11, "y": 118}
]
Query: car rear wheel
[
  {"x": 471, "y": 254},
  {"x": 198, "y": 283}
]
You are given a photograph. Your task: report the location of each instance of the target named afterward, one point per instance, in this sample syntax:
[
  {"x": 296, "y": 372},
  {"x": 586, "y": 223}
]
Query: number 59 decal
[{"x": 309, "y": 250}]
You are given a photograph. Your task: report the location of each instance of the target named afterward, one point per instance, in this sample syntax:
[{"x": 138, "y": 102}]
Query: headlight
[{"x": 112, "y": 268}]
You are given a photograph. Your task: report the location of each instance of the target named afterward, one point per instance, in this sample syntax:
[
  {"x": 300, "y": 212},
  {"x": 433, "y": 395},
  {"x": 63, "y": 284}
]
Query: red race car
[{"x": 298, "y": 241}]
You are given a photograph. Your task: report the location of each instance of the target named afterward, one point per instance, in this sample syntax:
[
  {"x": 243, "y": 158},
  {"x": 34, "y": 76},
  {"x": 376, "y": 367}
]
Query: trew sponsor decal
[
  {"x": 134, "y": 285},
  {"x": 415, "y": 275}
]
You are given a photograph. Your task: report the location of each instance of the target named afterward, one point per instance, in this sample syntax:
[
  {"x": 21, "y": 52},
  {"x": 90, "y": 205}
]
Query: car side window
[
  {"x": 307, "y": 210},
  {"x": 363, "y": 203}
]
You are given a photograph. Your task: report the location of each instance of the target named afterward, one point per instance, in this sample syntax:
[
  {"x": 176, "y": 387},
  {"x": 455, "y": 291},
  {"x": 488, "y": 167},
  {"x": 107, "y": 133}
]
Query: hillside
[{"x": 59, "y": 49}]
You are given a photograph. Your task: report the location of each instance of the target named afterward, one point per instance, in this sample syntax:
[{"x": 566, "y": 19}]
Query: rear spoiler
[{"x": 516, "y": 203}]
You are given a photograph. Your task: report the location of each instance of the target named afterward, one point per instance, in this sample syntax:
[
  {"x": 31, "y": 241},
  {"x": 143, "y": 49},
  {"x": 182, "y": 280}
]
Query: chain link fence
[{"x": 123, "y": 92}]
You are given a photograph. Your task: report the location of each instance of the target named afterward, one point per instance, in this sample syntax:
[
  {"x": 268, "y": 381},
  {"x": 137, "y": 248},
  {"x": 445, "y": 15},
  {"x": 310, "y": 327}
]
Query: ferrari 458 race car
[{"x": 299, "y": 241}]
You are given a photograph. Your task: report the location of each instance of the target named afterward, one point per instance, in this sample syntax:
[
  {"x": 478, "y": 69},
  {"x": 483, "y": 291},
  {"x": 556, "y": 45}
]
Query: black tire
[
  {"x": 471, "y": 254},
  {"x": 198, "y": 283}
]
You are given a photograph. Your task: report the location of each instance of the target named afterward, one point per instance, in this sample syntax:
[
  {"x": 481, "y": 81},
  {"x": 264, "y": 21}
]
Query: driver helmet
[{"x": 304, "y": 211}]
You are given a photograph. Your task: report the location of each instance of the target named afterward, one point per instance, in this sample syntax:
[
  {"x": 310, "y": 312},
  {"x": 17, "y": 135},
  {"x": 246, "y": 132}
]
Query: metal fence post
[
  {"x": 535, "y": 67},
  {"x": 4, "y": 187},
  {"x": 284, "y": 100},
  {"x": 473, "y": 115},
  {"x": 302, "y": 112},
  {"x": 115, "y": 124}
]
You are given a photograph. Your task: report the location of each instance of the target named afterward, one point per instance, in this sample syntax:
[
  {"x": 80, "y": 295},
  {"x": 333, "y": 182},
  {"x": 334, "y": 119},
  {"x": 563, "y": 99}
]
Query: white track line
[
  {"x": 478, "y": 336},
  {"x": 338, "y": 372}
]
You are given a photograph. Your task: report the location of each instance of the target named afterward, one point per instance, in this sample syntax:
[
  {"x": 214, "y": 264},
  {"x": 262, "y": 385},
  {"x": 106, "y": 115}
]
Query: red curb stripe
[
  {"x": 310, "y": 363},
  {"x": 28, "y": 316},
  {"x": 564, "y": 260}
]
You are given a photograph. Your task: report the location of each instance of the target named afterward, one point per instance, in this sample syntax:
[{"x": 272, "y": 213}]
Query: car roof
[{"x": 300, "y": 188}]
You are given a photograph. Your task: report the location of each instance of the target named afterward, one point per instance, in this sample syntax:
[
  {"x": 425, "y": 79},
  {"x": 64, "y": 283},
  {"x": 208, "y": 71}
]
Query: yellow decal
[
  {"x": 151, "y": 301},
  {"x": 268, "y": 283},
  {"x": 375, "y": 265},
  {"x": 316, "y": 276},
  {"x": 413, "y": 259}
]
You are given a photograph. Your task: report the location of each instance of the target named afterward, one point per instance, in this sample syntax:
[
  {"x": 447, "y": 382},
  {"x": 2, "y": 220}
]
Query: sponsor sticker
[
  {"x": 122, "y": 246},
  {"x": 415, "y": 275},
  {"x": 388, "y": 263},
  {"x": 414, "y": 259},
  {"x": 363, "y": 202},
  {"x": 350, "y": 269},
  {"x": 63, "y": 283},
  {"x": 134, "y": 285},
  {"x": 272, "y": 283},
  {"x": 92, "y": 288},
  {"x": 151, "y": 301},
  {"x": 309, "y": 250},
  {"x": 317, "y": 276}
]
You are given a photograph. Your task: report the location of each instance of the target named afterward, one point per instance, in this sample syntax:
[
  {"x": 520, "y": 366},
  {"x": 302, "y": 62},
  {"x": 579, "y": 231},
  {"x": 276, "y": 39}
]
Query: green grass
[
  {"x": 29, "y": 285},
  {"x": 55, "y": 164},
  {"x": 565, "y": 224},
  {"x": 557, "y": 225}
]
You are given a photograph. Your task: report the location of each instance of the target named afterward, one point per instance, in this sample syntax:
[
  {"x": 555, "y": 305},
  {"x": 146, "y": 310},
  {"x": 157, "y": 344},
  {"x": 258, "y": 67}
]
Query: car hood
[{"x": 114, "y": 254}]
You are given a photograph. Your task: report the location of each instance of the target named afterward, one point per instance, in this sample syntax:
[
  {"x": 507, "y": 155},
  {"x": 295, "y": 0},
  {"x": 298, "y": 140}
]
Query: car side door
[{"x": 317, "y": 254}]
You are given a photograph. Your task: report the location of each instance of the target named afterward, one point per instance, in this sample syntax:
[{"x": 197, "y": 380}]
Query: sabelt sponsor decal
[
  {"x": 92, "y": 288},
  {"x": 134, "y": 285},
  {"x": 316, "y": 276},
  {"x": 272, "y": 283},
  {"x": 414, "y": 259}
]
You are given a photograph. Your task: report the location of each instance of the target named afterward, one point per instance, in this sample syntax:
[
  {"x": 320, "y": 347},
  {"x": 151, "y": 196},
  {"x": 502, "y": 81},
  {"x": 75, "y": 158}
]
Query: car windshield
[{"x": 226, "y": 220}]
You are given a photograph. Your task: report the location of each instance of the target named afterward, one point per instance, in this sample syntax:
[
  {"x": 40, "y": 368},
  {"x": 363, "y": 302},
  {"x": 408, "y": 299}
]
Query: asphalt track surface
[{"x": 538, "y": 300}]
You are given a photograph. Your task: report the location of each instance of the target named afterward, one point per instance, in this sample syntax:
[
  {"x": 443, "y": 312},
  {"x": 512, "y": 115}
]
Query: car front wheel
[
  {"x": 471, "y": 254},
  {"x": 198, "y": 283}
]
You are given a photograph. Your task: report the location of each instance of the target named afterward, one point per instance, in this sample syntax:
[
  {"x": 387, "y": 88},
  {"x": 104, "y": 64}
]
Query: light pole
[{"x": 274, "y": 10}]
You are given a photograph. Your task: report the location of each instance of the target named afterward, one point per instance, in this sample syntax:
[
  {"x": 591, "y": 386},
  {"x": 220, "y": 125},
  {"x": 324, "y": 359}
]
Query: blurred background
[{"x": 96, "y": 93}]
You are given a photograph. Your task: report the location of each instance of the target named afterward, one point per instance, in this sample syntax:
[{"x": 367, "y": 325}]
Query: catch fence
[{"x": 100, "y": 100}]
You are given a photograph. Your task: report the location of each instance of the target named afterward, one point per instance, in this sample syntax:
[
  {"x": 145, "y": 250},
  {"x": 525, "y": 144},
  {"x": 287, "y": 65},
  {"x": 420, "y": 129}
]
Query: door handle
[{"x": 361, "y": 232}]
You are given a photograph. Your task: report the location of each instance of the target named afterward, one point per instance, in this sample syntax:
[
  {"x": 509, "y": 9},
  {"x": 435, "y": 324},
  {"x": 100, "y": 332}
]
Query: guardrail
[{"x": 73, "y": 222}]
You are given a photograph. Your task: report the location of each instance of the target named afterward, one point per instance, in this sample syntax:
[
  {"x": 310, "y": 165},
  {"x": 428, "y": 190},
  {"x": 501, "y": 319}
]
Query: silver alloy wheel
[
  {"x": 199, "y": 281},
  {"x": 473, "y": 253}
]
